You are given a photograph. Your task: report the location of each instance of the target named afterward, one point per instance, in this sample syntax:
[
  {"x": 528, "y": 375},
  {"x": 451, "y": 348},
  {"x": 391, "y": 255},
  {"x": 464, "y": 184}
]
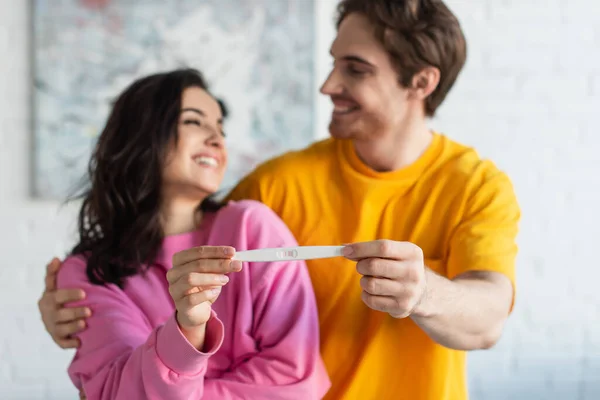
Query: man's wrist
[{"x": 425, "y": 307}]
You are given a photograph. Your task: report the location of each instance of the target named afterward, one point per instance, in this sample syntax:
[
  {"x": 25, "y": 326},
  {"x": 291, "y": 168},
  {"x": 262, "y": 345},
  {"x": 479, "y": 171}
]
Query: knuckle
[
  {"x": 367, "y": 299},
  {"x": 418, "y": 252},
  {"x": 371, "y": 264},
  {"x": 372, "y": 285},
  {"x": 413, "y": 273},
  {"x": 403, "y": 305},
  {"x": 189, "y": 279},
  {"x": 384, "y": 246},
  {"x": 190, "y": 300}
]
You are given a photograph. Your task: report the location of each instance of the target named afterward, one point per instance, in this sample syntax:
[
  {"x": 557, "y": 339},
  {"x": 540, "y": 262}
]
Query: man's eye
[{"x": 354, "y": 71}]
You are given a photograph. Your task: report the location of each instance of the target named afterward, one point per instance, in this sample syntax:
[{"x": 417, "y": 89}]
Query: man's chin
[
  {"x": 338, "y": 132},
  {"x": 342, "y": 132}
]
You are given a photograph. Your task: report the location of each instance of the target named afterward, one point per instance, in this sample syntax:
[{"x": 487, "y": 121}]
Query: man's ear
[{"x": 425, "y": 82}]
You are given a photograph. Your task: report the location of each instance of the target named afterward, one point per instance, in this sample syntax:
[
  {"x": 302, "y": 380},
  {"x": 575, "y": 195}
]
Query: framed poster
[{"x": 257, "y": 55}]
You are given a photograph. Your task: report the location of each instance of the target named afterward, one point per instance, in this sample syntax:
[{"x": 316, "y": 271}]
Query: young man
[{"x": 430, "y": 271}]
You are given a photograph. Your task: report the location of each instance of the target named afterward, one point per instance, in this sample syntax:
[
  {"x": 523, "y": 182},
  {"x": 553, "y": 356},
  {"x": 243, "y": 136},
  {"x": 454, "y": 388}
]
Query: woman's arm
[
  {"x": 122, "y": 357},
  {"x": 288, "y": 364}
]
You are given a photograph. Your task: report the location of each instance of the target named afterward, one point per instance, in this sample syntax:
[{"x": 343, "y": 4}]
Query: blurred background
[{"x": 528, "y": 98}]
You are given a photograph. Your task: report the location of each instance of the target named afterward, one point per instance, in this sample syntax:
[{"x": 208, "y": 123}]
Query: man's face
[{"x": 368, "y": 100}]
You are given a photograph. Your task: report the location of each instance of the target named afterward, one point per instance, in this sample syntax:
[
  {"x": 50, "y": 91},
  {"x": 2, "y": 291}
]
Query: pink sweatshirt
[{"x": 262, "y": 340}]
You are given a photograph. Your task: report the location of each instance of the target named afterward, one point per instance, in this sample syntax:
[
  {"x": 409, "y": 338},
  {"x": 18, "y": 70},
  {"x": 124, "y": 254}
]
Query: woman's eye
[{"x": 192, "y": 122}]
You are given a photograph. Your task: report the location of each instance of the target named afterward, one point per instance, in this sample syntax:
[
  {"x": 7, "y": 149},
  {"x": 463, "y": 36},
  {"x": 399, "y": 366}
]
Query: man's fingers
[
  {"x": 212, "y": 266},
  {"x": 68, "y": 343},
  {"x": 182, "y": 287},
  {"x": 380, "y": 286},
  {"x": 72, "y": 314},
  {"x": 51, "y": 270},
  {"x": 397, "y": 307},
  {"x": 63, "y": 331},
  {"x": 202, "y": 252},
  {"x": 62, "y": 296},
  {"x": 388, "y": 249},
  {"x": 383, "y": 268}
]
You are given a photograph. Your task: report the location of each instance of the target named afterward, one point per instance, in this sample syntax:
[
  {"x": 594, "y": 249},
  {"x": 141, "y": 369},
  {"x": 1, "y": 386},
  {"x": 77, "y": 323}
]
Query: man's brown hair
[{"x": 416, "y": 34}]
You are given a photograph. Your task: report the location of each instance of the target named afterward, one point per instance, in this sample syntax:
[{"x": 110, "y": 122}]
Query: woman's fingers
[
  {"x": 182, "y": 287},
  {"x": 202, "y": 252},
  {"x": 207, "y": 266},
  {"x": 192, "y": 300}
]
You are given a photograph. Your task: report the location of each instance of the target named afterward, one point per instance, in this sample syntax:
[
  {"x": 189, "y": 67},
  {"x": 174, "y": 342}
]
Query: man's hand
[
  {"x": 61, "y": 322},
  {"x": 464, "y": 313},
  {"x": 393, "y": 275}
]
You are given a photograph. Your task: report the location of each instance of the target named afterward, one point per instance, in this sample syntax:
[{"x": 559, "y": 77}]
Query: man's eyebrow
[{"x": 355, "y": 58}]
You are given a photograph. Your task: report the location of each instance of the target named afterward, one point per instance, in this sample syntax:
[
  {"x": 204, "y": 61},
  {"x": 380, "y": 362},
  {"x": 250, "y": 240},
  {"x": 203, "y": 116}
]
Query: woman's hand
[{"x": 195, "y": 282}]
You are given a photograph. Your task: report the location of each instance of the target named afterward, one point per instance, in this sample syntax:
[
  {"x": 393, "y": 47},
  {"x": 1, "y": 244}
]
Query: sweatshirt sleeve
[
  {"x": 288, "y": 364},
  {"x": 122, "y": 357}
]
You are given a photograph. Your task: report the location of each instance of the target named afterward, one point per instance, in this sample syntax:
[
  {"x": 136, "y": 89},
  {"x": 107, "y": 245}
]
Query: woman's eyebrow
[
  {"x": 200, "y": 112},
  {"x": 197, "y": 111}
]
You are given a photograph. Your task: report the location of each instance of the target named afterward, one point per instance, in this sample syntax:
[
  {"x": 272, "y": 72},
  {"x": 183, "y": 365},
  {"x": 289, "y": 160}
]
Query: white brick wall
[{"x": 526, "y": 99}]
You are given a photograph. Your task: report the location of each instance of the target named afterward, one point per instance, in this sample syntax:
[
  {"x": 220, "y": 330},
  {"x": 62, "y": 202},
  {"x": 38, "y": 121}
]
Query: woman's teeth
[{"x": 212, "y": 162}]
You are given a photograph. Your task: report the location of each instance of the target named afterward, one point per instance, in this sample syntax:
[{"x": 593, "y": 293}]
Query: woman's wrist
[{"x": 195, "y": 335}]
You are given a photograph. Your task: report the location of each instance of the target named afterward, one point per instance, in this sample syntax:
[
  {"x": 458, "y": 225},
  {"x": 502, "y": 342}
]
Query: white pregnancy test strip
[{"x": 289, "y": 253}]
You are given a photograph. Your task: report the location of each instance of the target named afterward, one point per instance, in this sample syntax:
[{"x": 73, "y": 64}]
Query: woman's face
[{"x": 196, "y": 162}]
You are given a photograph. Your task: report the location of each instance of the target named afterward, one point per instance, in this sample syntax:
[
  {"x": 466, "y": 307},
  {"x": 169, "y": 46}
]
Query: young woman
[{"x": 172, "y": 316}]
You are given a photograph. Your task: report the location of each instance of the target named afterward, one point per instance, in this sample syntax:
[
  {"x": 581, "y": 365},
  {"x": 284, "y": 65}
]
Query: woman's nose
[{"x": 215, "y": 139}]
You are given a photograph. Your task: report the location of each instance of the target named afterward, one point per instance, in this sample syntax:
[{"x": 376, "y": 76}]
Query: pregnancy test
[{"x": 289, "y": 253}]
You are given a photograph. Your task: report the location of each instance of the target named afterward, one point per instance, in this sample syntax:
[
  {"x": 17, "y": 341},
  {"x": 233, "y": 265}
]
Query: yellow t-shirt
[{"x": 460, "y": 209}]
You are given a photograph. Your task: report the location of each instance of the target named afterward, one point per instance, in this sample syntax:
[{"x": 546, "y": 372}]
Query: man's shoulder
[
  {"x": 462, "y": 163},
  {"x": 298, "y": 161}
]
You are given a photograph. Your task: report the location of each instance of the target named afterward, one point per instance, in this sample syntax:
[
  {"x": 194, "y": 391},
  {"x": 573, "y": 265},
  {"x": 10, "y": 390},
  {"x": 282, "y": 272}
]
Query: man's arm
[
  {"x": 465, "y": 309},
  {"x": 467, "y": 312}
]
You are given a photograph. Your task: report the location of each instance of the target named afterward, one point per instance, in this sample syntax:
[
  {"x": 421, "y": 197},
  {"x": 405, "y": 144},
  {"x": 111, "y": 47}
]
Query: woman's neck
[{"x": 180, "y": 216}]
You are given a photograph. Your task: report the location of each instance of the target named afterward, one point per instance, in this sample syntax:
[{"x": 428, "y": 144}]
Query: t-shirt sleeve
[{"x": 485, "y": 238}]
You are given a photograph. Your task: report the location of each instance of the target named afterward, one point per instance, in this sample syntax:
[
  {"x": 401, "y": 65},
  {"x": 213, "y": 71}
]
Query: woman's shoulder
[
  {"x": 247, "y": 210},
  {"x": 256, "y": 223},
  {"x": 72, "y": 272}
]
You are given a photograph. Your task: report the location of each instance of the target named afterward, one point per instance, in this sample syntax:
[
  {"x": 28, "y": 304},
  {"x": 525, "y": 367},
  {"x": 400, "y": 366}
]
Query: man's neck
[{"x": 395, "y": 151}]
